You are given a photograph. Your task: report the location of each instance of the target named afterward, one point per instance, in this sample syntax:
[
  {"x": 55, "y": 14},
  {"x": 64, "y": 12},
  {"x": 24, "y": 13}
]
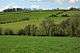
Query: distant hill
[{"x": 29, "y": 10}]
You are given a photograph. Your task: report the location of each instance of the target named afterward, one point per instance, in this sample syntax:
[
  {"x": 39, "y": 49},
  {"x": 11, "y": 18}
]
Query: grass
[{"x": 26, "y": 44}]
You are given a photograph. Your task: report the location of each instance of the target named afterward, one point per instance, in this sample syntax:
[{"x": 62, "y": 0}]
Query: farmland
[
  {"x": 39, "y": 26},
  {"x": 30, "y": 44},
  {"x": 19, "y": 20},
  {"x": 35, "y": 32}
]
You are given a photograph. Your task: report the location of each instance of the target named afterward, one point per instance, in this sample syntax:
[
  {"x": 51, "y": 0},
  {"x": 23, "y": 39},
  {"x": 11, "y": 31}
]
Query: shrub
[
  {"x": 8, "y": 32},
  {"x": 0, "y": 31},
  {"x": 28, "y": 30},
  {"x": 21, "y": 32},
  {"x": 48, "y": 26},
  {"x": 65, "y": 15},
  {"x": 72, "y": 26}
]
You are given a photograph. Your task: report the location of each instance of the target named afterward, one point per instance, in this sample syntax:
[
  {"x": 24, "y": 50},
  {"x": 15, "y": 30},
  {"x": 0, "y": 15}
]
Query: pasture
[
  {"x": 36, "y": 44},
  {"x": 30, "y": 44}
]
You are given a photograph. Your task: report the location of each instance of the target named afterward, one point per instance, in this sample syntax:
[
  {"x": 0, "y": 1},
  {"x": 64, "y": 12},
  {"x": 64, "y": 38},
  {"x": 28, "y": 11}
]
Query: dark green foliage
[
  {"x": 13, "y": 10},
  {"x": 28, "y": 30},
  {"x": 53, "y": 15},
  {"x": 72, "y": 26},
  {"x": 48, "y": 26},
  {"x": 74, "y": 9},
  {"x": 33, "y": 30},
  {"x": 0, "y": 31},
  {"x": 21, "y": 32},
  {"x": 8, "y": 32},
  {"x": 68, "y": 27},
  {"x": 59, "y": 12}
]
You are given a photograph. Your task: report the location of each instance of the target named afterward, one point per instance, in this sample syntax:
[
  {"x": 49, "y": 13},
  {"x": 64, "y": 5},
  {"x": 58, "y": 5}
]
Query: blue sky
[{"x": 39, "y": 4}]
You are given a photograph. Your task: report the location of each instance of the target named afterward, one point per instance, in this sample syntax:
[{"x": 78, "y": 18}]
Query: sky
[{"x": 39, "y": 4}]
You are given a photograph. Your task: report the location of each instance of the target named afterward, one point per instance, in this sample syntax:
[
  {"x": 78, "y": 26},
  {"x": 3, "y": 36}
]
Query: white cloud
[
  {"x": 72, "y": 6},
  {"x": 58, "y": 1},
  {"x": 61, "y": 1},
  {"x": 73, "y": 1},
  {"x": 9, "y": 6},
  {"x": 35, "y": 6}
]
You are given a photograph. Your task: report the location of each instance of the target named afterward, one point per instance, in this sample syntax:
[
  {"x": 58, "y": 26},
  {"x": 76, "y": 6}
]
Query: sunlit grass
[{"x": 26, "y": 44}]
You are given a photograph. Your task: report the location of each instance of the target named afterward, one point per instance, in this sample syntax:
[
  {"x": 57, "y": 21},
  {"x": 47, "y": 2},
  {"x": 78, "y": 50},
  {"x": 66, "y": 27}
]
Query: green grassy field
[
  {"x": 26, "y": 44},
  {"x": 30, "y": 44}
]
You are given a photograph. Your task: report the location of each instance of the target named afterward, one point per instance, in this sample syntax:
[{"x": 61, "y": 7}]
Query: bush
[
  {"x": 28, "y": 30},
  {"x": 65, "y": 15},
  {"x": 72, "y": 26},
  {"x": 21, "y": 32},
  {"x": 48, "y": 26},
  {"x": 0, "y": 31},
  {"x": 8, "y": 32}
]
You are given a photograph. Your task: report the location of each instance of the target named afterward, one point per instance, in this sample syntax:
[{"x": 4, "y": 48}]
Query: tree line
[
  {"x": 69, "y": 27},
  {"x": 37, "y": 10}
]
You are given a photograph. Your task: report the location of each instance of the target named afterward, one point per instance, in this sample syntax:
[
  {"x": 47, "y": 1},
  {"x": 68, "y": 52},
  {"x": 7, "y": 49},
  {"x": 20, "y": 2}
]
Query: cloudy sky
[{"x": 39, "y": 4}]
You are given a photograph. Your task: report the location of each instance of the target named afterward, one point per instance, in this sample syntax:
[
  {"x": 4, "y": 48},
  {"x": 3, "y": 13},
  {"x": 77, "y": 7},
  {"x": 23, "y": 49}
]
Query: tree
[
  {"x": 21, "y": 32},
  {"x": 72, "y": 8},
  {"x": 8, "y": 32},
  {"x": 13, "y": 10},
  {"x": 72, "y": 26},
  {"x": 58, "y": 30},
  {"x": 0, "y": 31},
  {"x": 48, "y": 26},
  {"x": 27, "y": 30},
  {"x": 33, "y": 30}
]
